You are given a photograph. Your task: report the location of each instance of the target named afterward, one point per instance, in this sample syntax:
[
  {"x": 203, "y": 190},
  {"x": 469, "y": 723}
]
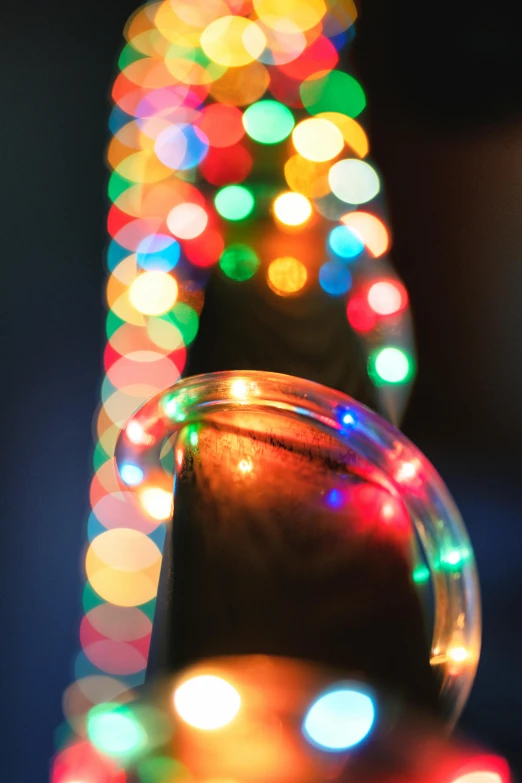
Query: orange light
[
  {"x": 157, "y": 503},
  {"x": 287, "y": 276},
  {"x": 245, "y": 466}
]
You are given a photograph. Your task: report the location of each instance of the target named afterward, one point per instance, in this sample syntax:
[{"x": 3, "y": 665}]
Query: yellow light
[
  {"x": 233, "y": 41},
  {"x": 153, "y": 293},
  {"x": 239, "y": 389},
  {"x": 306, "y": 177},
  {"x": 458, "y": 654},
  {"x": 406, "y": 472},
  {"x": 136, "y": 434},
  {"x": 286, "y": 276},
  {"x": 245, "y": 466},
  {"x": 304, "y": 14},
  {"x": 317, "y": 140},
  {"x": 158, "y": 503},
  {"x": 292, "y": 209},
  {"x": 353, "y": 134},
  {"x": 207, "y": 702}
]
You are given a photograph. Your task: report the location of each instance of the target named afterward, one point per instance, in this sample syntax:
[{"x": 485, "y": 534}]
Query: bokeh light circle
[
  {"x": 234, "y": 202},
  {"x": 233, "y": 41},
  {"x": 339, "y": 719},
  {"x": 268, "y": 122},
  {"x": 335, "y": 278},
  {"x": 391, "y": 365},
  {"x": 287, "y": 276},
  {"x": 292, "y": 209},
  {"x": 239, "y": 262},
  {"x": 153, "y": 293},
  {"x": 354, "y": 181},
  {"x": 345, "y": 243},
  {"x": 317, "y": 140},
  {"x": 387, "y": 297},
  {"x": 207, "y": 702},
  {"x": 187, "y": 221}
]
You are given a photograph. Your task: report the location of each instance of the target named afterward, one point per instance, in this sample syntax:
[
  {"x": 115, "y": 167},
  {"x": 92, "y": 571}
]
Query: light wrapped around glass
[{"x": 304, "y": 526}]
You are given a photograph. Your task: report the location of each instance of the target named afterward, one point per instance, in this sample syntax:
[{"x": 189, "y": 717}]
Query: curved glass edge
[{"x": 447, "y": 548}]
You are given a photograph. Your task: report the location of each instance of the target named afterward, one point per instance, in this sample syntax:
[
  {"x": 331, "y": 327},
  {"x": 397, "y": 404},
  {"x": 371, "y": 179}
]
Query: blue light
[
  {"x": 158, "y": 253},
  {"x": 339, "y": 719},
  {"x": 335, "y": 278},
  {"x": 131, "y": 474},
  {"x": 348, "y": 419},
  {"x": 345, "y": 243},
  {"x": 335, "y": 498}
]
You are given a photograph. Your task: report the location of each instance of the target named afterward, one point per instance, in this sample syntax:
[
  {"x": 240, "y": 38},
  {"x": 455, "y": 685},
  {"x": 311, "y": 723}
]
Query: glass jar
[{"x": 304, "y": 526}]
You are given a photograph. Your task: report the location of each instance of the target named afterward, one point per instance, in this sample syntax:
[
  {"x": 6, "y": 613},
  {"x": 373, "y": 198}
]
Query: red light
[
  {"x": 227, "y": 166},
  {"x": 206, "y": 249},
  {"x": 81, "y": 763},
  {"x": 320, "y": 56},
  {"x": 387, "y": 298},
  {"x": 360, "y": 315},
  {"x": 485, "y": 769},
  {"x": 222, "y": 125}
]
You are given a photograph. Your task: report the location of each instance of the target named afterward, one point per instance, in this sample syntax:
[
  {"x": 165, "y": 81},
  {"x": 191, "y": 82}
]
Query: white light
[{"x": 207, "y": 702}]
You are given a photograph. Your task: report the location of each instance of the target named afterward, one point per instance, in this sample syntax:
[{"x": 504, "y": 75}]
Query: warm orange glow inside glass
[{"x": 287, "y": 276}]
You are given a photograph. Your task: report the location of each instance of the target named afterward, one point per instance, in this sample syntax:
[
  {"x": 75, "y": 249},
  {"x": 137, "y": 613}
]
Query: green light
[
  {"x": 454, "y": 558},
  {"x": 390, "y": 365},
  {"x": 100, "y": 457},
  {"x": 337, "y": 91},
  {"x": 113, "y": 730},
  {"x": 421, "y": 574},
  {"x": 118, "y": 185},
  {"x": 268, "y": 122},
  {"x": 128, "y": 56},
  {"x": 234, "y": 202},
  {"x": 193, "y": 439},
  {"x": 90, "y": 598},
  {"x": 239, "y": 262},
  {"x": 162, "y": 770},
  {"x": 186, "y": 319}
]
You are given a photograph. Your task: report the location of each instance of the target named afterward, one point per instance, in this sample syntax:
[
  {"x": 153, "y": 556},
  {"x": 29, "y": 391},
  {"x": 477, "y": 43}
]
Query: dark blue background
[{"x": 453, "y": 167}]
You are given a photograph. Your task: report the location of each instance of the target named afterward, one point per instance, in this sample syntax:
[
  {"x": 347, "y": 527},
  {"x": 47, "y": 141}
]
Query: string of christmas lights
[{"x": 235, "y": 144}]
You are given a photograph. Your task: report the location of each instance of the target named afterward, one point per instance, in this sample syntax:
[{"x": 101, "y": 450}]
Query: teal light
[
  {"x": 268, "y": 122},
  {"x": 421, "y": 574},
  {"x": 234, "y": 202},
  {"x": 339, "y": 719},
  {"x": 114, "y": 730},
  {"x": 454, "y": 558}
]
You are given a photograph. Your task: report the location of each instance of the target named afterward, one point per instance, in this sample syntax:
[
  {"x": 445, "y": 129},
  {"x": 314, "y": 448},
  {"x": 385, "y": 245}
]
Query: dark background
[{"x": 446, "y": 123}]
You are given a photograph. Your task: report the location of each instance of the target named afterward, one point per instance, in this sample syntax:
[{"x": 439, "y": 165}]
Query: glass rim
[{"x": 455, "y": 647}]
